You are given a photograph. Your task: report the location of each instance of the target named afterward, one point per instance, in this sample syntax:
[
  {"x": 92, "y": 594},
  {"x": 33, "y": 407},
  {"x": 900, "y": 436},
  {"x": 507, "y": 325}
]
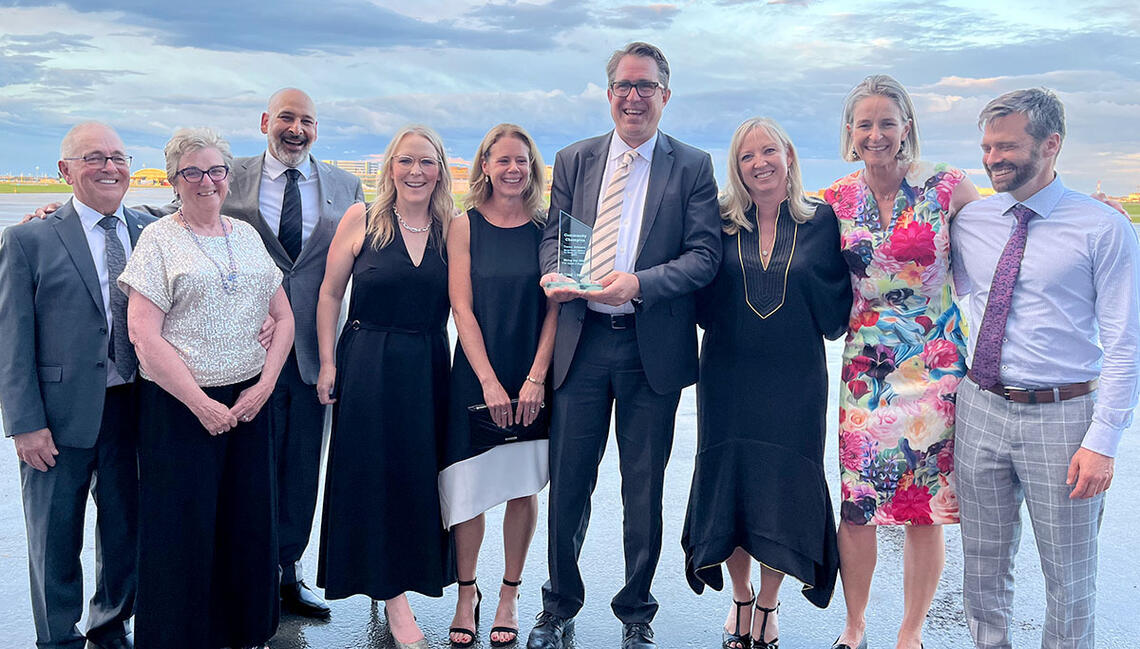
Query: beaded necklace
[{"x": 228, "y": 280}]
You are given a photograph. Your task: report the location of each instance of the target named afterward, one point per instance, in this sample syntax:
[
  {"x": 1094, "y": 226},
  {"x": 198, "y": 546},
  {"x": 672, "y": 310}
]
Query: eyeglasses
[
  {"x": 98, "y": 160},
  {"x": 645, "y": 89},
  {"x": 194, "y": 174},
  {"x": 407, "y": 162}
]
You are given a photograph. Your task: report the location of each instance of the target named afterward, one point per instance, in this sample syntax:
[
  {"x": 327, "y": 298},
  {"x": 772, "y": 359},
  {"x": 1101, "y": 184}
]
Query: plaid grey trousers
[{"x": 1006, "y": 452}]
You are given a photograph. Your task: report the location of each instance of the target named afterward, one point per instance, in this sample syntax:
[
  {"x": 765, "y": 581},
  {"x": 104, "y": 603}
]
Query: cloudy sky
[{"x": 461, "y": 67}]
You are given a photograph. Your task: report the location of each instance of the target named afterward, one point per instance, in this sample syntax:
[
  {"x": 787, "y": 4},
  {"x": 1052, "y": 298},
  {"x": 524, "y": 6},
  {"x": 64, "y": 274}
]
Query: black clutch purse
[{"x": 485, "y": 433}]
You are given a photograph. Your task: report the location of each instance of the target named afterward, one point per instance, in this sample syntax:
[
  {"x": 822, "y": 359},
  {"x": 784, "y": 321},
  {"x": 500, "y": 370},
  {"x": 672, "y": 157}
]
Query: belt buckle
[
  {"x": 1010, "y": 390},
  {"x": 617, "y": 321}
]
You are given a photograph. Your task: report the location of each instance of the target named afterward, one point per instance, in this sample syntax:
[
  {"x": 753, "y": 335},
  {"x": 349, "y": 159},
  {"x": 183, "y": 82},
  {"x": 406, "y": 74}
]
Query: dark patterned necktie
[
  {"x": 986, "y": 370},
  {"x": 289, "y": 232},
  {"x": 120, "y": 350}
]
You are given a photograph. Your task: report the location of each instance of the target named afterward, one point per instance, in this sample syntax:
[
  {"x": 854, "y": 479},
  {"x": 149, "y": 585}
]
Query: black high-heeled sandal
[
  {"x": 758, "y": 643},
  {"x": 738, "y": 640},
  {"x": 468, "y": 632},
  {"x": 507, "y": 629}
]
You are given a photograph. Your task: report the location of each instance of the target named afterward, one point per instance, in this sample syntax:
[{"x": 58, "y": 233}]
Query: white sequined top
[{"x": 214, "y": 333}]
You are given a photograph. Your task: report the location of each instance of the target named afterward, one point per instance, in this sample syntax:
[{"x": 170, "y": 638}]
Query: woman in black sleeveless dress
[
  {"x": 506, "y": 340},
  {"x": 380, "y": 531}
]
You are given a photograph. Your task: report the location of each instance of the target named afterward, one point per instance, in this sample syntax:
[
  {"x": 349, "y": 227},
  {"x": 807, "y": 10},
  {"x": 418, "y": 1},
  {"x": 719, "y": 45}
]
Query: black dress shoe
[
  {"x": 637, "y": 635},
  {"x": 299, "y": 600},
  {"x": 121, "y": 642},
  {"x": 549, "y": 631}
]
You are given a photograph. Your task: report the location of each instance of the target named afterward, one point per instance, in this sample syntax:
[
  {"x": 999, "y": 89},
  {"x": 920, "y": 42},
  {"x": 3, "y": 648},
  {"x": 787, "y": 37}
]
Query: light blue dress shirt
[{"x": 1075, "y": 314}]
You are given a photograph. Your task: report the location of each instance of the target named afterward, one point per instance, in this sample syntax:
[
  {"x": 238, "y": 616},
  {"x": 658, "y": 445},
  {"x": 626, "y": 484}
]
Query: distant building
[
  {"x": 359, "y": 168},
  {"x": 150, "y": 176}
]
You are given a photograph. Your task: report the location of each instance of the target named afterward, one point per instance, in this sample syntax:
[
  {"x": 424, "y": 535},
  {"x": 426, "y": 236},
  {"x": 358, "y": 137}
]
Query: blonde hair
[
  {"x": 480, "y": 185},
  {"x": 381, "y": 227},
  {"x": 882, "y": 85},
  {"x": 735, "y": 201}
]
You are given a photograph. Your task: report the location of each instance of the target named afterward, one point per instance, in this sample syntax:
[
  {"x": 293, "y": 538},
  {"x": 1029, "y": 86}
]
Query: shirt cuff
[{"x": 1102, "y": 439}]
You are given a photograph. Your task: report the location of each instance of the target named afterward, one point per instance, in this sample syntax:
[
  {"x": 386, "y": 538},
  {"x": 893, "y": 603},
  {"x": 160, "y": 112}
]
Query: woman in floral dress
[{"x": 904, "y": 354}]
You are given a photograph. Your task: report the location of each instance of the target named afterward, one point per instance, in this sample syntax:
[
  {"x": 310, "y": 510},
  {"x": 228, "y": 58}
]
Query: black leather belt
[
  {"x": 615, "y": 321},
  {"x": 1043, "y": 395}
]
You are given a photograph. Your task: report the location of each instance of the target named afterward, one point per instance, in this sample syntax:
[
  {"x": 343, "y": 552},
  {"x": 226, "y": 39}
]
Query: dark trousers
[
  {"x": 54, "y": 507},
  {"x": 298, "y": 427},
  {"x": 607, "y": 372},
  {"x": 207, "y": 533}
]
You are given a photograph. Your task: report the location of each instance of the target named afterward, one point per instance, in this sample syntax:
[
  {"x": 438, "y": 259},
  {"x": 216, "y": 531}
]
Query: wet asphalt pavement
[{"x": 685, "y": 619}]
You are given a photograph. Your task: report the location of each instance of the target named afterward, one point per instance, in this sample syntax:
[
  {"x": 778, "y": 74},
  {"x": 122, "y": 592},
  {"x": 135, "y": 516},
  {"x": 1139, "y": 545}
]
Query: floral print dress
[{"x": 904, "y": 353}]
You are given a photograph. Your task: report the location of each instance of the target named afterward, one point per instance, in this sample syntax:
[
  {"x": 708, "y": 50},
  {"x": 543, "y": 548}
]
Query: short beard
[
  {"x": 276, "y": 148},
  {"x": 1023, "y": 174}
]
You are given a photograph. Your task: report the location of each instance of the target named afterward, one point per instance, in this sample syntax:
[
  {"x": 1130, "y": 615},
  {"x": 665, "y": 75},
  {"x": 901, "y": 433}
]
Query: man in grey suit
[
  {"x": 295, "y": 202},
  {"x": 68, "y": 395},
  {"x": 651, "y": 201}
]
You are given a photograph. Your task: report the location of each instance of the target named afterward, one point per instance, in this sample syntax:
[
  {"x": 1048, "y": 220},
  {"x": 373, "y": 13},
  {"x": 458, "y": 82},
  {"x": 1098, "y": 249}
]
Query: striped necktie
[
  {"x": 603, "y": 243},
  {"x": 986, "y": 368}
]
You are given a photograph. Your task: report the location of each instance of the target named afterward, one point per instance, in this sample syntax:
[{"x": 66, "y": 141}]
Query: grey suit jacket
[
  {"x": 338, "y": 191},
  {"x": 54, "y": 328},
  {"x": 678, "y": 252}
]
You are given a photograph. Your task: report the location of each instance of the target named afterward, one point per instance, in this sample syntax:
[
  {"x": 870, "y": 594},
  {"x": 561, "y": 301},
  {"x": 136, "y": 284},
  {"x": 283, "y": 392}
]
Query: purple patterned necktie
[{"x": 986, "y": 370}]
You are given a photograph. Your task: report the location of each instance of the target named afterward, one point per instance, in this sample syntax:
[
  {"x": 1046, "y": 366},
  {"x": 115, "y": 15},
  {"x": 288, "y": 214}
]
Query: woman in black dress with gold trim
[{"x": 759, "y": 490}]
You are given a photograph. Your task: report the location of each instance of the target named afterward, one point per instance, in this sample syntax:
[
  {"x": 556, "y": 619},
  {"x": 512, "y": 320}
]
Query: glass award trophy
[{"x": 574, "y": 255}]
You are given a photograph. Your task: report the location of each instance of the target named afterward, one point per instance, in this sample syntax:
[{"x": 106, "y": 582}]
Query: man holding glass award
[{"x": 634, "y": 230}]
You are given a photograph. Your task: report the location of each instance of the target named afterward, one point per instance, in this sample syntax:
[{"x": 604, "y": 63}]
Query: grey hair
[
  {"x": 639, "y": 48},
  {"x": 882, "y": 85},
  {"x": 67, "y": 145},
  {"x": 189, "y": 140},
  {"x": 1041, "y": 106}
]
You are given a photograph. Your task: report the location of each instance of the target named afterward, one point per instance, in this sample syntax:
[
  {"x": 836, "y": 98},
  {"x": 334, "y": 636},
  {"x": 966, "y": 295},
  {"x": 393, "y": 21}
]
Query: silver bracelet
[{"x": 534, "y": 380}]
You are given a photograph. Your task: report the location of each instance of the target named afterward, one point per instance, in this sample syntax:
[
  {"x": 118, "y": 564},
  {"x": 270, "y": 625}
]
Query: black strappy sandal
[
  {"x": 738, "y": 640},
  {"x": 758, "y": 643},
  {"x": 507, "y": 629},
  {"x": 469, "y": 632}
]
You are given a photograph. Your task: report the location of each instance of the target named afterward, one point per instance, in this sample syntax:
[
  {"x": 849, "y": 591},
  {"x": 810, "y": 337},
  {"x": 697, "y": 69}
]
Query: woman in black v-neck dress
[
  {"x": 381, "y": 534},
  {"x": 759, "y": 490}
]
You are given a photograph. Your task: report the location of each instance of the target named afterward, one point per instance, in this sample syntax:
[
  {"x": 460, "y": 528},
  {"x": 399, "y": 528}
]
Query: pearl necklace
[
  {"x": 228, "y": 280},
  {"x": 404, "y": 224}
]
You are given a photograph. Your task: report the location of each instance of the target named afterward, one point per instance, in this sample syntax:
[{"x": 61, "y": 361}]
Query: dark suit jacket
[
  {"x": 54, "y": 328},
  {"x": 302, "y": 282},
  {"x": 678, "y": 252}
]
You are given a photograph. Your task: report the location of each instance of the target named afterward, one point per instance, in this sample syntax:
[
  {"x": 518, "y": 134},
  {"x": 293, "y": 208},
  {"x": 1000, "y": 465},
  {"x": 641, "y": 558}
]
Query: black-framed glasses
[
  {"x": 194, "y": 174},
  {"x": 645, "y": 89},
  {"x": 97, "y": 160}
]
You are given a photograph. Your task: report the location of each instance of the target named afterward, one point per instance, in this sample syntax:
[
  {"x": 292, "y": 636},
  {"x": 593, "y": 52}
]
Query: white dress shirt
[
  {"x": 1075, "y": 312},
  {"x": 632, "y": 208},
  {"x": 97, "y": 242},
  {"x": 272, "y": 193}
]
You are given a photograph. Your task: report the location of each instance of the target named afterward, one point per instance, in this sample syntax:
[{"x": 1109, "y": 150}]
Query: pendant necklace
[{"x": 228, "y": 279}]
